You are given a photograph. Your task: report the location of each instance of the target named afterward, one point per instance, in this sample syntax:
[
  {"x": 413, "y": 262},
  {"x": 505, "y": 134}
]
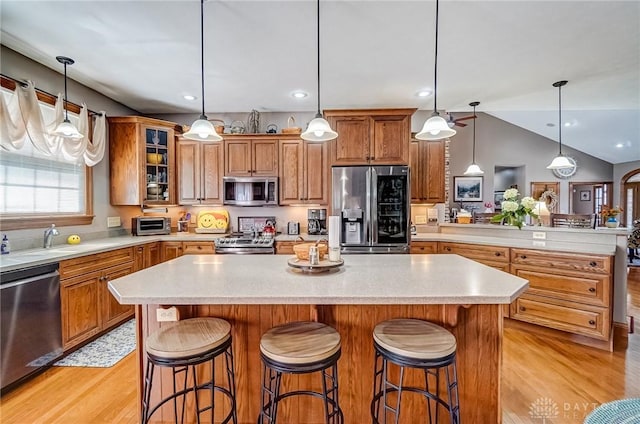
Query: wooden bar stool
[
  {"x": 300, "y": 348},
  {"x": 415, "y": 344},
  {"x": 181, "y": 347}
]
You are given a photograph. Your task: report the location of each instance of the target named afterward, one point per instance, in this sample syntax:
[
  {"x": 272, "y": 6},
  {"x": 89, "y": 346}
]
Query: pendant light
[
  {"x": 436, "y": 127},
  {"x": 65, "y": 128},
  {"x": 202, "y": 129},
  {"x": 319, "y": 129},
  {"x": 474, "y": 169},
  {"x": 560, "y": 161}
]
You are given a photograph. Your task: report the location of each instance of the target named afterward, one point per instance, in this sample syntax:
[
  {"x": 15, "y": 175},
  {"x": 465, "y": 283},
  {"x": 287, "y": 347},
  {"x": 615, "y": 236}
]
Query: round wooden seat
[
  {"x": 190, "y": 337},
  {"x": 414, "y": 338},
  {"x": 300, "y": 343},
  {"x": 618, "y": 411}
]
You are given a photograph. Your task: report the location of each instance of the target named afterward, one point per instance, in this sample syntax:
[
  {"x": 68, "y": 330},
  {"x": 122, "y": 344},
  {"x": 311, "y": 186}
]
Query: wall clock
[{"x": 566, "y": 172}]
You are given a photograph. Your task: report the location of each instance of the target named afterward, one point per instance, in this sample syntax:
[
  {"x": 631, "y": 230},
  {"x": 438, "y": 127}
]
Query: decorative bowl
[
  {"x": 154, "y": 189},
  {"x": 154, "y": 158},
  {"x": 464, "y": 219},
  {"x": 302, "y": 250}
]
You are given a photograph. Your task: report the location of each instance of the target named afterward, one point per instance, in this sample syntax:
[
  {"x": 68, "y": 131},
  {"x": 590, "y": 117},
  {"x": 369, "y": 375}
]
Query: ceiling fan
[{"x": 451, "y": 121}]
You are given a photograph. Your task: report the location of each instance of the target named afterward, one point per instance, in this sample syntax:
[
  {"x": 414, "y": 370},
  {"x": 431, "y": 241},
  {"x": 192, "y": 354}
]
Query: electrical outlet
[
  {"x": 538, "y": 243},
  {"x": 539, "y": 235},
  {"x": 113, "y": 221},
  {"x": 169, "y": 314}
]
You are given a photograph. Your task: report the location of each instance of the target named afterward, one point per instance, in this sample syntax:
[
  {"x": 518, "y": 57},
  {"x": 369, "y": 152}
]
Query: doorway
[
  {"x": 630, "y": 197},
  {"x": 590, "y": 198}
]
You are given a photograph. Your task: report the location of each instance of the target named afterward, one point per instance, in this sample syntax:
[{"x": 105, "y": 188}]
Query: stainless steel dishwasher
[{"x": 31, "y": 335}]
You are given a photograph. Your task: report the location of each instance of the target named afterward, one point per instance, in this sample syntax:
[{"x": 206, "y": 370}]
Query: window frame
[{"x": 23, "y": 221}]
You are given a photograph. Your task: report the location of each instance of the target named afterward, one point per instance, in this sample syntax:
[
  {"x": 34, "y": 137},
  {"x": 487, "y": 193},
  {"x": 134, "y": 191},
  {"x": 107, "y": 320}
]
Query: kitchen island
[{"x": 257, "y": 292}]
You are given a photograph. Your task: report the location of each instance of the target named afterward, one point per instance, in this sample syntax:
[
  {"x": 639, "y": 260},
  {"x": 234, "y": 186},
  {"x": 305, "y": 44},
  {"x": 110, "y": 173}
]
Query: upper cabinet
[
  {"x": 370, "y": 136},
  {"x": 427, "y": 171},
  {"x": 200, "y": 171},
  {"x": 304, "y": 172},
  {"x": 246, "y": 157},
  {"x": 141, "y": 160}
]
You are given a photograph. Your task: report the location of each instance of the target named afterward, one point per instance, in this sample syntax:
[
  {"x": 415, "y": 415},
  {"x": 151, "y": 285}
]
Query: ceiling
[{"x": 505, "y": 54}]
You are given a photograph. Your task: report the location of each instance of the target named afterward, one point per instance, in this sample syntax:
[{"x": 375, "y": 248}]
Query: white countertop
[
  {"x": 363, "y": 279},
  {"x": 586, "y": 247}
]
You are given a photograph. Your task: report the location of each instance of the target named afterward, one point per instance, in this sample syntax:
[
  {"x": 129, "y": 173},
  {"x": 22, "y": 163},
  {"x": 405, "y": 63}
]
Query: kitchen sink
[{"x": 48, "y": 252}]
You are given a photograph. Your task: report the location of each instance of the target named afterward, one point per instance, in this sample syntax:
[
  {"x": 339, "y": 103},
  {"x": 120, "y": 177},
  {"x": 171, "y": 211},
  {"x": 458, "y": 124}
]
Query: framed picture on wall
[
  {"x": 585, "y": 195},
  {"x": 467, "y": 189}
]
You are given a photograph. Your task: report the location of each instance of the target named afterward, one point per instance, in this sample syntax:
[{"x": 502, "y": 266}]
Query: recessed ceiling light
[
  {"x": 567, "y": 124},
  {"x": 299, "y": 94},
  {"x": 189, "y": 97},
  {"x": 424, "y": 93},
  {"x": 620, "y": 145}
]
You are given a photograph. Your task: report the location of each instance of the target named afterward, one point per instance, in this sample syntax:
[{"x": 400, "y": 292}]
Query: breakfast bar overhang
[{"x": 256, "y": 292}]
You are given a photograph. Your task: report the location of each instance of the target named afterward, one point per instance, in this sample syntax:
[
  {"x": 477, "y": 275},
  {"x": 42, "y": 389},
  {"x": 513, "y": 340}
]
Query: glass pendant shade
[
  {"x": 560, "y": 162},
  {"x": 473, "y": 169},
  {"x": 319, "y": 130},
  {"x": 202, "y": 130},
  {"x": 67, "y": 130},
  {"x": 436, "y": 128}
]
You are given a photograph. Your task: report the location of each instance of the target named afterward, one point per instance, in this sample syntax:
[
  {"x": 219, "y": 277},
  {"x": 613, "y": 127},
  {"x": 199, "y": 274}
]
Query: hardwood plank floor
[{"x": 572, "y": 377}]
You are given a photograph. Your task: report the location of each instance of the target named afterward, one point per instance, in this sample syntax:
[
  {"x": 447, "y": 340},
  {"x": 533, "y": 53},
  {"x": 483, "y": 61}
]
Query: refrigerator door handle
[{"x": 373, "y": 207}]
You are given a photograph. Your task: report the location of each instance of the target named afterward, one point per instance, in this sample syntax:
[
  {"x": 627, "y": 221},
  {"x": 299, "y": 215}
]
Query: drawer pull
[
  {"x": 497, "y": 253},
  {"x": 448, "y": 249},
  {"x": 592, "y": 289},
  {"x": 592, "y": 263},
  {"x": 523, "y": 256},
  {"x": 592, "y": 322},
  {"x": 522, "y": 309}
]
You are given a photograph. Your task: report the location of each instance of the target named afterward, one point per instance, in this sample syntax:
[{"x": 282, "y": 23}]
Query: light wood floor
[{"x": 574, "y": 378}]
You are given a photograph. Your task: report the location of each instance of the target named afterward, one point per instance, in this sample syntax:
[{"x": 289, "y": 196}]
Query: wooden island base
[{"x": 478, "y": 332}]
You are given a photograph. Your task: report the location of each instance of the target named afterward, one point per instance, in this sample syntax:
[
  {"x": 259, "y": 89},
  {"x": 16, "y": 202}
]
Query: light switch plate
[
  {"x": 168, "y": 314},
  {"x": 539, "y": 235},
  {"x": 421, "y": 219},
  {"x": 113, "y": 221}
]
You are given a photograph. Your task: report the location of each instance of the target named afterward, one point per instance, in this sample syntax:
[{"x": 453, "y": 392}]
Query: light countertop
[{"x": 363, "y": 279}]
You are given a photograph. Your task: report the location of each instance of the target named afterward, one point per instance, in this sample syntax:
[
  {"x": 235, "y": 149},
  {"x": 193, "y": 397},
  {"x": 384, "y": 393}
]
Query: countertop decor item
[
  {"x": 436, "y": 127},
  {"x": 474, "y": 169},
  {"x": 514, "y": 211},
  {"x": 73, "y": 239},
  {"x": 218, "y": 125},
  {"x": 318, "y": 129},
  {"x": 253, "y": 122},
  {"x": 610, "y": 216},
  {"x": 202, "y": 129},
  {"x": 66, "y": 129},
  {"x": 323, "y": 265},
  {"x": 560, "y": 161},
  {"x": 237, "y": 127},
  {"x": 291, "y": 128}
]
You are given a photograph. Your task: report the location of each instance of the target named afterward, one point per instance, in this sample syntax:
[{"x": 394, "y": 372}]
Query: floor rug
[{"x": 106, "y": 350}]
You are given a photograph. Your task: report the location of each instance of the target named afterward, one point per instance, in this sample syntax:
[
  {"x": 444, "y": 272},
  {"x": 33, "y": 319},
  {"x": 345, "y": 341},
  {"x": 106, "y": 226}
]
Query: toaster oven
[{"x": 150, "y": 225}]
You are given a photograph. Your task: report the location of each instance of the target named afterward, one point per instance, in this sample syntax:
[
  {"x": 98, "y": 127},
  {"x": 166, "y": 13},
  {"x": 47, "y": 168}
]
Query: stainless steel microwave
[
  {"x": 250, "y": 191},
  {"x": 150, "y": 225}
]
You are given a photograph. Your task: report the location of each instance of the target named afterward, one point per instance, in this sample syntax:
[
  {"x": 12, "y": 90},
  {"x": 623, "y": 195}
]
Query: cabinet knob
[
  {"x": 522, "y": 309},
  {"x": 448, "y": 249},
  {"x": 592, "y": 263},
  {"x": 592, "y": 289},
  {"x": 592, "y": 322},
  {"x": 497, "y": 253},
  {"x": 373, "y": 158},
  {"x": 523, "y": 256}
]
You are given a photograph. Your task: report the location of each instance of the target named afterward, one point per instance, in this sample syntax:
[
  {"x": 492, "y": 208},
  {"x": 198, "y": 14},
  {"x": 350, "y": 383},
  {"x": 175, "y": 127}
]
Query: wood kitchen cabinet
[
  {"x": 304, "y": 172},
  {"x": 146, "y": 255},
  {"x": 427, "y": 161},
  {"x": 200, "y": 168},
  {"x": 175, "y": 249},
  {"x": 370, "y": 136},
  {"x": 423, "y": 247},
  {"x": 170, "y": 250},
  {"x": 87, "y": 306},
  {"x": 567, "y": 291},
  {"x": 142, "y": 161},
  {"x": 246, "y": 157},
  {"x": 284, "y": 247}
]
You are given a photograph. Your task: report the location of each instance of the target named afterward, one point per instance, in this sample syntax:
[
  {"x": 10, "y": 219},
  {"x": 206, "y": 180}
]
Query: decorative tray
[{"x": 322, "y": 266}]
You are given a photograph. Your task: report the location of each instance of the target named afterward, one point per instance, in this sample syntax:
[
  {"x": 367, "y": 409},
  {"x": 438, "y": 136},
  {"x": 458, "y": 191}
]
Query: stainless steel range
[{"x": 256, "y": 236}]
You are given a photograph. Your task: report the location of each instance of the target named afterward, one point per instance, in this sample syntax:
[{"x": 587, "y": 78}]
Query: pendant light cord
[
  {"x": 66, "y": 111},
  {"x": 560, "y": 117},
  {"x": 318, "y": 115},
  {"x": 474, "y": 135},
  {"x": 202, "y": 56},
  {"x": 435, "y": 67}
]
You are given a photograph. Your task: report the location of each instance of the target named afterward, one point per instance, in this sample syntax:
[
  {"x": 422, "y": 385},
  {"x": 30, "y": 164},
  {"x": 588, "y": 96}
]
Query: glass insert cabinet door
[{"x": 157, "y": 164}]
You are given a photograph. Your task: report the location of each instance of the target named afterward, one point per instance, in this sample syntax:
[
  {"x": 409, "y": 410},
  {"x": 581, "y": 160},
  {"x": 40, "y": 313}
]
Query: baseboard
[{"x": 562, "y": 335}]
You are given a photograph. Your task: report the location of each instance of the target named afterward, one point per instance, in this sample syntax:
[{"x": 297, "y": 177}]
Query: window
[{"x": 37, "y": 189}]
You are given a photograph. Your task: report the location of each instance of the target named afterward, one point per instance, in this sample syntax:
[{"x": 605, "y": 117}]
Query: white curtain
[{"x": 23, "y": 117}]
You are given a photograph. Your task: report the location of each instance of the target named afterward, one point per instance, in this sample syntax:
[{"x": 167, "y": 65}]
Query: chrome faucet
[{"x": 48, "y": 235}]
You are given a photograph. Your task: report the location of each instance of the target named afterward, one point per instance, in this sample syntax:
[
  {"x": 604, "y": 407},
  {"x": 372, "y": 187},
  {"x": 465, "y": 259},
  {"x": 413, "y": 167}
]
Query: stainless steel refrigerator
[{"x": 373, "y": 203}]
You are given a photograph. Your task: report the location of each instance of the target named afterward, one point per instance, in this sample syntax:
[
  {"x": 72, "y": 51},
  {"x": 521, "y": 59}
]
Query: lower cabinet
[
  {"x": 423, "y": 247},
  {"x": 175, "y": 249},
  {"x": 87, "y": 306},
  {"x": 284, "y": 247},
  {"x": 147, "y": 255}
]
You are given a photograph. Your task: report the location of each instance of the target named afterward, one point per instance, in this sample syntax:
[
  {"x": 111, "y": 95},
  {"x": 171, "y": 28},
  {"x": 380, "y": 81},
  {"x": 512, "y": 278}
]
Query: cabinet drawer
[
  {"x": 98, "y": 261},
  {"x": 587, "y": 320},
  {"x": 424, "y": 247},
  {"x": 197, "y": 248},
  {"x": 556, "y": 260},
  {"x": 284, "y": 247},
  {"x": 581, "y": 287},
  {"x": 474, "y": 251}
]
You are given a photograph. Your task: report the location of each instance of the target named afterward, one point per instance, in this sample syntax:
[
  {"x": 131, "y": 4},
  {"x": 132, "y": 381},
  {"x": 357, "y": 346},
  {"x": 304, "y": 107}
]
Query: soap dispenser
[{"x": 5, "y": 247}]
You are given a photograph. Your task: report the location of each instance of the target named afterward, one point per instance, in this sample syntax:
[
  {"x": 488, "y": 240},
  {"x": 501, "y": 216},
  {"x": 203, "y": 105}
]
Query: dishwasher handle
[{"x": 29, "y": 280}]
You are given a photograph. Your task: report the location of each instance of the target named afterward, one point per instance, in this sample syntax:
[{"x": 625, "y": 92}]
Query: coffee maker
[{"x": 317, "y": 221}]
